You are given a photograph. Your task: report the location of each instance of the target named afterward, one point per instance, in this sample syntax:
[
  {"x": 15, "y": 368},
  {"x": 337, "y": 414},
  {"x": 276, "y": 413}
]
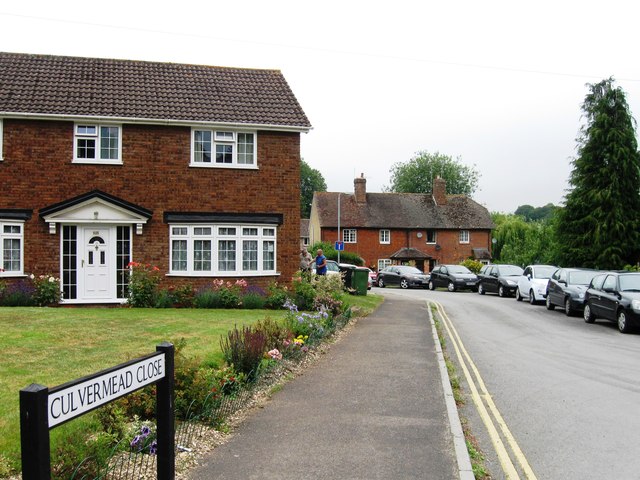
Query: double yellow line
[{"x": 488, "y": 411}]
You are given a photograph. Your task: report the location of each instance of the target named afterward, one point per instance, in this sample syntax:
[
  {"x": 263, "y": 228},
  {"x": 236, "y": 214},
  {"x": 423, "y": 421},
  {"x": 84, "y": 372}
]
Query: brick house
[
  {"x": 191, "y": 168},
  {"x": 386, "y": 228}
]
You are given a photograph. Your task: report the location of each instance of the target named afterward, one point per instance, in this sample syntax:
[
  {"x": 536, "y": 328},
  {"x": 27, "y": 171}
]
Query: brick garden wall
[{"x": 37, "y": 171}]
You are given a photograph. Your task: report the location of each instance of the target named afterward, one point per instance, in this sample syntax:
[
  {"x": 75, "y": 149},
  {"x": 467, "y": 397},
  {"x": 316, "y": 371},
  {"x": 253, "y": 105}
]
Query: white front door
[{"x": 96, "y": 264}]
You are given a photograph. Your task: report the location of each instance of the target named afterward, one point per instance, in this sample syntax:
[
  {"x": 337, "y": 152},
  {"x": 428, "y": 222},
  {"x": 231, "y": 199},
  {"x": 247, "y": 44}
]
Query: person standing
[
  {"x": 305, "y": 261},
  {"x": 321, "y": 263}
]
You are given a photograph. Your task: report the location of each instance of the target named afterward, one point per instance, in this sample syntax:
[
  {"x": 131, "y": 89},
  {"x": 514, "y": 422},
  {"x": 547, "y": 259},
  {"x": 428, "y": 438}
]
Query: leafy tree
[
  {"x": 416, "y": 175},
  {"x": 532, "y": 213},
  {"x": 311, "y": 180},
  {"x": 519, "y": 242},
  {"x": 598, "y": 227}
]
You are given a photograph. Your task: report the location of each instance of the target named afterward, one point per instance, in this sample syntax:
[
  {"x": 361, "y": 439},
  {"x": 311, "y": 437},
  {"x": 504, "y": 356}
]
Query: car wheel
[
  {"x": 501, "y": 292},
  {"x": 451, "y": 287},
  {"x": 548, "y": 304},
  {"x": 623, "y": 322},
  {"x": 481, "y": 289},
  {"x": 588, "y": 315},
  {"x": 431, "y": 285},
  {"x": 518, "y": 296},
  {"x": 404, "y": 284},
  {"x": 532, "y": 298},
  {"x": 381, "y": 283},
  {"x": 568, "y": 311}
]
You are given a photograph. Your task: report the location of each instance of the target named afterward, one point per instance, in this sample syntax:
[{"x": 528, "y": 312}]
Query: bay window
[
  {"x": 11, "y": 248},
  {"x": 213, "y": 250}
]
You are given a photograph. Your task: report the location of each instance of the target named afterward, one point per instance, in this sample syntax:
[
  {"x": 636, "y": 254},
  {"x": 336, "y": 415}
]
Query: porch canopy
[{"x": 408, "y": 254}]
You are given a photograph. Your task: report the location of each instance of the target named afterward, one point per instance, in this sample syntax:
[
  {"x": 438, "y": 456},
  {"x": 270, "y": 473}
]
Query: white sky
[{"x": 498, "y": 84}]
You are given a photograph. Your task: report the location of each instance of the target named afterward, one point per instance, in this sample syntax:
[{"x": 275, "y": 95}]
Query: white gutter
[{"x": 154, "y": 121}]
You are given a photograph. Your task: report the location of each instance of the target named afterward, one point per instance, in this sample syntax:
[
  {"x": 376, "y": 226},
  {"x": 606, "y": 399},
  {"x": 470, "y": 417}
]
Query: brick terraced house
[
  {"x": 394, "y": 228},
  {"x": 194, "y": 169}
]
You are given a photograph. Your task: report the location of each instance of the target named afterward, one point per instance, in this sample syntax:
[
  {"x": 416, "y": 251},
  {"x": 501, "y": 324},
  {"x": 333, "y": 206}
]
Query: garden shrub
[
  {"x": 275, "y": 333},
  {"x": 303, "y": 291},
  {"x": 47, "y": 290},
  {"x": 253, "y": 301},
  {"x": 143, "y": 284},
  {"x": 473, "y": 265},
  {"x": 18, "y": 294},
  {"x": 243, "y": 349},
  {"x": 207, "y": 298},
  {"x": 277, "y": 296}
]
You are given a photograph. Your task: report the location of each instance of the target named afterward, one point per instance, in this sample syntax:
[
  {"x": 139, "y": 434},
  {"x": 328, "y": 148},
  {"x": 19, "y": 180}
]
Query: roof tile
[{"x": 56, "y": 85}]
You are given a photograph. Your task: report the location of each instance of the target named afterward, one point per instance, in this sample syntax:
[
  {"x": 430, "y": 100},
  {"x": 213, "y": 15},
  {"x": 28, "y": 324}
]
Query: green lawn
[{"x": 51, "y": 346}]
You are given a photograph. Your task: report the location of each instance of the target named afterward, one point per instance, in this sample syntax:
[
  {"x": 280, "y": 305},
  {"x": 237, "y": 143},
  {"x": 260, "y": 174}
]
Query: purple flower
[
  {"x": 135, "y": 441},
  {"x": 145, "y": 431},
  {"x": 153, "y": 449}
]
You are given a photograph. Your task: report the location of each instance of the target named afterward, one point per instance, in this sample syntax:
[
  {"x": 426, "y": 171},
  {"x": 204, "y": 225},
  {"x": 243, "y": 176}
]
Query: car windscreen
[
  {"x": 510, "y": 270},
  {"x": 580, "y": 277},
  {"x": 458, "y": 269},
  {"x": 412, "y": 270},
  {"x": 629, "y": 282},
  {"x": 333, "y": 267},
  {"x": 545, "y": 272}
]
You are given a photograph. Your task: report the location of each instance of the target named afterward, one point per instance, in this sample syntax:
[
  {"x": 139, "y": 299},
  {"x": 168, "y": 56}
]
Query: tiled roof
[
  {"x": 127, "y": 89},
  {"x": 401, "y": 210}
]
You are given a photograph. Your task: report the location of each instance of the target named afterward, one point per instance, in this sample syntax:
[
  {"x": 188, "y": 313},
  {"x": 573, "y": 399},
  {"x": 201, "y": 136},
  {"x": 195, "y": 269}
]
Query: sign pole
[
  {"x": 34, "y": 433},
  {"x": 338, "y": 225},
  {"x": 165, "y": 416}
]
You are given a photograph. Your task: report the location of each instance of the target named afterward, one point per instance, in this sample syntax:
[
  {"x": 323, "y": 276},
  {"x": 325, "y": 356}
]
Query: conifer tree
[{"x": 598, "y": 227}]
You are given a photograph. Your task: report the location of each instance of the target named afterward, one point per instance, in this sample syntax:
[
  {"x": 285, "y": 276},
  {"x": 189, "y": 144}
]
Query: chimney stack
[
  {"x": 360, "y": 189},
  {"x": 439, "y": 191}
]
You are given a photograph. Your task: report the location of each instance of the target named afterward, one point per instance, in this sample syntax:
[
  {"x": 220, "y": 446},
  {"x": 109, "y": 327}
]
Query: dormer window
[
  {"x": 97, "y": 144},
  {"x": 223, "y": 148}
]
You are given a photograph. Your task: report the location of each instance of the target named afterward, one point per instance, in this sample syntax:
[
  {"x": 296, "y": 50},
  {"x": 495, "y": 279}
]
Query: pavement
[{"x": 376, "y": 406}]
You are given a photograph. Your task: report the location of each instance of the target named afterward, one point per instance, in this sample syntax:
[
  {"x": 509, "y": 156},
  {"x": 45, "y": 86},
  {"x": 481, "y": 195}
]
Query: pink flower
[{"x": 275, "y": 354}]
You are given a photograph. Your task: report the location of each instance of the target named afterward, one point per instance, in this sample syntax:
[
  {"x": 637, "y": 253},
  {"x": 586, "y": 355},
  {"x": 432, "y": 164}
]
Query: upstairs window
[
  {"x": 223, "y": 148},
  {"x": 431, "y": 236},
  {"x": 464, "y": 236},
  {"x": 349, "y": 235},
  {"x": 385, "y": 236},
  {"x": 97, "y": 144},
  {"x": 1, "y": 135}
]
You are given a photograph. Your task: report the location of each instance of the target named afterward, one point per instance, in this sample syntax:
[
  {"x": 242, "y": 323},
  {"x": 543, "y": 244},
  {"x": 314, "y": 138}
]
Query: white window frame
[
  {"x": 350, "y": 235},
  {"x": 97, "y": 137},
  {"x": 435, "y": 236},
  {"x": 250, "y": 262},
  {"x": 11, "y": 236},
  {"x": 385, "y": 236},
  {"x": 464, "y": 236},
  {"x": 225, "y": 138},
  {"x": 383, "y": 263}
]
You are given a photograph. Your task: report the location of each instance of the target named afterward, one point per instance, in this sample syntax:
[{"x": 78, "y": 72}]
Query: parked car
[
  {"x": 500, "y": 279},
  {"x": 453, "y": 277},
  {"x": 332, "y": 268},
  {"x": 372, "y": 278},
  {"x": 614, "y": 296},
  {"x": 566, "y": 289},
  {"x": 402, "y": 275},
  {"x": 532, "y": 284}
]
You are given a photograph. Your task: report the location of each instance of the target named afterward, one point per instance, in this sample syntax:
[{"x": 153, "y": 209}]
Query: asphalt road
[{"x": 568, "y": 392}]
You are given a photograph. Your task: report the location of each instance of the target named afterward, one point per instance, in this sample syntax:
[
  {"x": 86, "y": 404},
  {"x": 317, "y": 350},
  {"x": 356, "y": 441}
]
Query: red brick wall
[
  {"x": 450, "y": 251},
  {"x": 38, "y": 171}
]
